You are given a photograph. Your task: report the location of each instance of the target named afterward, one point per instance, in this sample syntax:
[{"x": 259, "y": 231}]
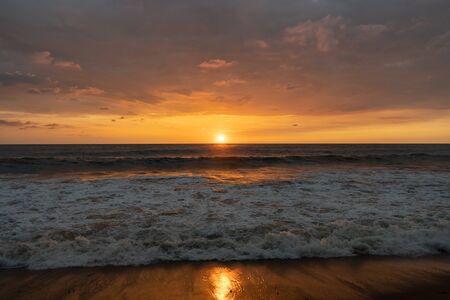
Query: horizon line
[{"x": 224, "y": 144}]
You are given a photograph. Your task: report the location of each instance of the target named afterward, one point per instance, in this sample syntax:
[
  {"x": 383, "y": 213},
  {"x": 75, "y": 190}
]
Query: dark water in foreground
[{"x": 85, "y": 158}]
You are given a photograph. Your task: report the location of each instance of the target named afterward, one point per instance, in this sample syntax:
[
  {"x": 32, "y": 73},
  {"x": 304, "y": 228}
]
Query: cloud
[
  {"x": 43, "y": 58},
  {"x": 45, "y": 90},
  {"x": 70, "y": 90},
  {"x": 31, "y": 125},
  {"x": 370, "y": 31},
  {"x": 50, "y": 126},
  {"x": 261, "y": 44},
  {"x": 67, "y": 64},
  {"x": 399, "y": 64},
  {"x": 13, "y": 78},
  {"x": 440, "y": 42},
  {"x": 258, "y": 44},
  {"x": 85, "y": 91},
  {"x": 133, "y": 96},
  {"x": 8, "y": 123},
  {"x": 229, "y": 82},
  {"x": 216, "y": 64},
  {"x": 55, "y": 126},
  {"x": 322, "y": 34},
  {"x": 46, "y": 58},
  {"x": 292, "y": 86},
  {"x": 66, "y": 89},
  {"x": 328, "y": 33},
  {"x": 184, "y": 92},
  {"x": 138, "y": 49}
]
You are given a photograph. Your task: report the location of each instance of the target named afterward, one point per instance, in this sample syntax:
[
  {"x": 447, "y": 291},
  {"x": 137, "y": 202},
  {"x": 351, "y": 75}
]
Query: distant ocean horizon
[{"x": 131, "y": 204}]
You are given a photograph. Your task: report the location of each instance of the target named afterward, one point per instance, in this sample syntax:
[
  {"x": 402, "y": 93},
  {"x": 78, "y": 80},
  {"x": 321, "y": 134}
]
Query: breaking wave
[{"x": 49, "y": 223}]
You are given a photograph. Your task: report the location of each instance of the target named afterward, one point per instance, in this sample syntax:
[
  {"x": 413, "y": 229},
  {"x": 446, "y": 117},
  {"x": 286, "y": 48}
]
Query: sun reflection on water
[{"x": 225, "y": 283}]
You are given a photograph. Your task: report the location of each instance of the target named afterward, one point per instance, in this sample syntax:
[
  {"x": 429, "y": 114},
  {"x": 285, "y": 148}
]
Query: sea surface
[{"x": 93, "y": 205}]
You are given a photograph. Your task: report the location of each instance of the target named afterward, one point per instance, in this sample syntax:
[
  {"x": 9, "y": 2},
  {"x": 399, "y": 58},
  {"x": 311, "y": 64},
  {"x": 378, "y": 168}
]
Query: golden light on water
[{"x": 225, "y": 283}]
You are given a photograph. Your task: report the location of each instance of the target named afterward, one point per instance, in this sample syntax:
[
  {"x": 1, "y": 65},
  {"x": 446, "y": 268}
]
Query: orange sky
[
  {"x": 348, "y": 128},
  {"x": 259, "y": 72}
]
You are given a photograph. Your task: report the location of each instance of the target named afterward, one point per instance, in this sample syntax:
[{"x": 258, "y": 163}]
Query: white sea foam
[{"x": 47, "y": 223}]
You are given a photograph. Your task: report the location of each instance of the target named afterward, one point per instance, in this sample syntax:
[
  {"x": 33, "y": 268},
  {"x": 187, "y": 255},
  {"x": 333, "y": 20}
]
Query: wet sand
[{"x": 341, "y": 278}]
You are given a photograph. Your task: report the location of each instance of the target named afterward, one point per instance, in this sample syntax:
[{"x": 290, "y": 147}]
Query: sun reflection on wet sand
[
  {"x": 340, "y": 278},
  {"x": 225, "y": 283}
]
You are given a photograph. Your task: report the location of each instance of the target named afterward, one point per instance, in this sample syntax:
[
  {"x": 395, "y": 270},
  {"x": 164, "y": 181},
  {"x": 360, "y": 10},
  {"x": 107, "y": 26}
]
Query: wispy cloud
[
  {"x": 258, "y": 44},
  {"x": 328, "y": 33},
  {"x": 9, "y": 123},
  {"x": 46, "y": 58},
  {"x": 71, "y": 90},
  {"x": 216, "y": 64},
  {"x": 23, "y": 125},
  {"x": 440, "y": 42},
  {"x": 229, "y": 82},
  {"x": 322, "y": 34},
  {"x": 399, "y": 64}
]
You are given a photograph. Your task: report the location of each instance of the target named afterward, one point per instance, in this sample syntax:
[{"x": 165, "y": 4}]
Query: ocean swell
[{"x": 33, "y": 165}]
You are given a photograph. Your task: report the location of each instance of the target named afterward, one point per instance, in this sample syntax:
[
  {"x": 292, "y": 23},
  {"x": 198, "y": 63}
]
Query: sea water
[{"x": 92, "y": 205}]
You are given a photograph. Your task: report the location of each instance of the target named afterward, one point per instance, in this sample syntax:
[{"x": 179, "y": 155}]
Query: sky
[{"x": 255, "y": 71}]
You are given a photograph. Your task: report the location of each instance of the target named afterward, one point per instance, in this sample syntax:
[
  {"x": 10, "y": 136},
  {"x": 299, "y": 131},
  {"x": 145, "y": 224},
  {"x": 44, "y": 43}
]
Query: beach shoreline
[{"x": 367, "y": 277}]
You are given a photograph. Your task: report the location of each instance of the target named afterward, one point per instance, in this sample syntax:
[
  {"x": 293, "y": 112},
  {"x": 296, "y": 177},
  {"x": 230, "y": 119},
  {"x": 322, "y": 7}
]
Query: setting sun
[
  {"x": 247, "y": 134},
  {"x": 221, "y": 139}
]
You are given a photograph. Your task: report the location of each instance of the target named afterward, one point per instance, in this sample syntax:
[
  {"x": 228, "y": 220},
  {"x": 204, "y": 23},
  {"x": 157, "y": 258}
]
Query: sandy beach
[{"x": 340, "y": 278}]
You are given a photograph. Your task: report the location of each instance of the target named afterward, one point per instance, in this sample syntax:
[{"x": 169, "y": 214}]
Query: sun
[{"x": 221, "y": 139}]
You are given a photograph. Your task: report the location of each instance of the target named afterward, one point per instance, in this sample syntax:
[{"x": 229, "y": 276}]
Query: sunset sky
[{"x": 186, "y": 71}]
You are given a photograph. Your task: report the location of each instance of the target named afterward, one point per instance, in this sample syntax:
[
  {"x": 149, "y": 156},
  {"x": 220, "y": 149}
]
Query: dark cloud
[
  {"x": 31, "y": 125},
  {"x": 55, "y": 126},
  {"x": 299, "y": 57},
  {"x": 13, "y": 78},
  {"x": 331, "y": 32},
  {"x": 9, "y": 123}
]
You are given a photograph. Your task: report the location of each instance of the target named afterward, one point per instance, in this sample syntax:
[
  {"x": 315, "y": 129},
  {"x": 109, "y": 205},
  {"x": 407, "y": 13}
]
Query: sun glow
[
  {"x": 221, "y": 139},
  {"x": 225, "y": 283}
]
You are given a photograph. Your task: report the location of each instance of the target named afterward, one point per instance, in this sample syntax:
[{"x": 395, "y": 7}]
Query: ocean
[{"x": 95, "y": 205}]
